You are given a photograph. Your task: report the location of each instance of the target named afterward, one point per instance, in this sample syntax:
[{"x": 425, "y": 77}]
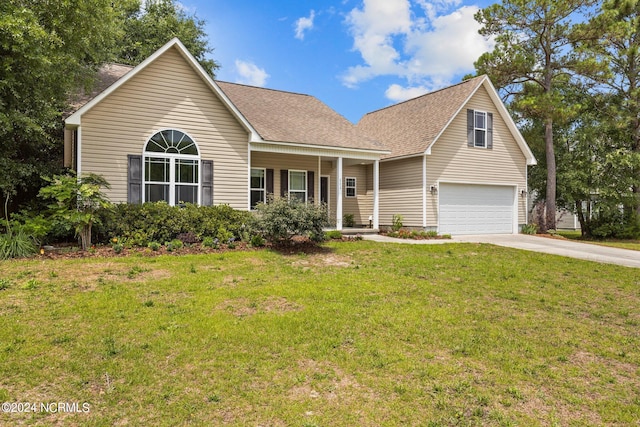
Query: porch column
[
  {"x": 424, "y": 191},
  {"x": 376, "y": 194},
  {"x": 318, "y": 195},
  {"x": 339, "y": 196}
]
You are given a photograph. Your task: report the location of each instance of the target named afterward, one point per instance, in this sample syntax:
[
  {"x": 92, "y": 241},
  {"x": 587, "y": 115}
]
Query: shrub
[
  {"x": 210, "y": 242},
  {"x": 396, "y": 222},
  {"x": 16, "y": 244},
  {"x": 118, "y": 247},
  {"x": 348, "y": 220},
  {"x": 77, "y": 201},
  {"x": 334, "y": 234},
  {"x": 257, "y": 241},
  {"x": 174, "y": 245},
  {"x": 281, "y": 219},
  {"x": 529, "y": 229},
  {"x": 154, "y": 246},
  {"x": 159, "y": 222}
]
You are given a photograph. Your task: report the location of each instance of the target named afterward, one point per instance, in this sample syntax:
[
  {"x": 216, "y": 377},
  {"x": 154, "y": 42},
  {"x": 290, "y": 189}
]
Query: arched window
[{"x": 171, "y": 168}]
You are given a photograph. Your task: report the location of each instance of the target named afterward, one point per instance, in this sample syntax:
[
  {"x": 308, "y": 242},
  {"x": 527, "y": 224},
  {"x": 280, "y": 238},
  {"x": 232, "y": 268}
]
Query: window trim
[
  {"x": 347, "y": 187},
  {"x": 306, "y": 186},
  {"x": 476, "y": 129},
  {"x": 263, "y": 189},
  {"x": 172, "y": 157}
]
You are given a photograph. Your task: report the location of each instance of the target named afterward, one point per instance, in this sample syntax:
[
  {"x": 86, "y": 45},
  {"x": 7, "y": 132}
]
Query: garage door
[{"x": 476, "y": 209}]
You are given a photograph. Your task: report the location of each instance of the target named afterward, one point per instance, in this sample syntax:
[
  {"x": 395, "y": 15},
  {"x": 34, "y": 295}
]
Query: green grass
[
  {"x": 361, "y": 334},
  {"x": 623, "y": 244}
]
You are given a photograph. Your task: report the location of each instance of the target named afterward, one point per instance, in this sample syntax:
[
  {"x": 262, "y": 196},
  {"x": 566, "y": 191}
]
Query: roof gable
[
  {"x": 117, "y": 81},
  {"x": 411, "y": 128}
]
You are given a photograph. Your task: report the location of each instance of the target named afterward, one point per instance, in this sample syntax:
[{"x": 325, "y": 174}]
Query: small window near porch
[
  {"x": 298, "y": 185},
  {"x": 350, "y": 187},
  {"x": 258, "y": 188}
]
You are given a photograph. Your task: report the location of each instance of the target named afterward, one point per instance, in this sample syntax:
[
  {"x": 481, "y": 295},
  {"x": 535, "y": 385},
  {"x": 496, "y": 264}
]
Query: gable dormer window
[{"x": 479, "y": 129}]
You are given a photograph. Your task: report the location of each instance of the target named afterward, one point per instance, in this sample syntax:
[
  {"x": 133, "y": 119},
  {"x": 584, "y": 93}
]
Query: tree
[
  {"x": 76, "y": 202},
  {"x": 149, "y": 28},
  {"x": 533, "y": 55},
  {"x": 47, "y": 49},
  {"x": 613, "y": 35}
]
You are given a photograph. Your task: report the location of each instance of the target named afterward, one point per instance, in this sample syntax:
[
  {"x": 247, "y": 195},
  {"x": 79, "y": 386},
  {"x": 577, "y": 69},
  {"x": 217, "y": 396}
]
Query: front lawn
[
  {"x": 616, "y": 243},
  {"x": 357, "y": 334}
]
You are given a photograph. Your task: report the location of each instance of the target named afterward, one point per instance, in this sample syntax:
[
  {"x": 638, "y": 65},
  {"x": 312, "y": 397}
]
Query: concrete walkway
[{"x": 568, "y": 248}]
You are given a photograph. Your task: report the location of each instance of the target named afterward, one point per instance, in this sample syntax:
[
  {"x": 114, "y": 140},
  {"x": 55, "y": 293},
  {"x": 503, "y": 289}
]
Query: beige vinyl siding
[
  {"x": 166, "y": 94},
  {"x": 451, "y": 160},
  {"x": 401, "y": 191},
  {"x": 360, "y": 206}
]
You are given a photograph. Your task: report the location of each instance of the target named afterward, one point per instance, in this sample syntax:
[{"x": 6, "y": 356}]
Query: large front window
[
  {"x": 171, "y": 168},
  {"x": 298, "y": 185}
]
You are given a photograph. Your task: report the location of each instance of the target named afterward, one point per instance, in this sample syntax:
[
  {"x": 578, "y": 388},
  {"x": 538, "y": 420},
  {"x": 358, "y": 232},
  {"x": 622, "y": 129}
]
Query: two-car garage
[{"x": 477, "y": 209}]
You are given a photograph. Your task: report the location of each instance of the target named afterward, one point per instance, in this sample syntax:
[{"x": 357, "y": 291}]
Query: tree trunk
[
  {"x": 85, "y": 237},
  {"x": 550, "y": 201}
]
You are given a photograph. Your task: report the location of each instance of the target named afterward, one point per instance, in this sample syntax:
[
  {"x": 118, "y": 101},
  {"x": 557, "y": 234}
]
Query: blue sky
[{"x": 356, "y": 56}]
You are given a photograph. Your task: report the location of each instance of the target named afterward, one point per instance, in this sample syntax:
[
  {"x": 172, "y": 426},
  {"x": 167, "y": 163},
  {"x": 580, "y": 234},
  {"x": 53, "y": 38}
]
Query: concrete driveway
[{"x": 568, "y": 248}]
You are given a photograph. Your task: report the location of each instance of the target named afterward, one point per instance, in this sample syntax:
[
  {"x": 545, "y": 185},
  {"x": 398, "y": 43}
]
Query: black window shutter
[
  {"x": 490, "y": 130},
  {"x": 310, "y": 185},
  {"x": 134, "y": 179},
  {"x": 284, "y": 182},
  {"x": 470, "y": 127},
  {"x": 206, "y": 184},
  {"x": 269, "y": 182}
]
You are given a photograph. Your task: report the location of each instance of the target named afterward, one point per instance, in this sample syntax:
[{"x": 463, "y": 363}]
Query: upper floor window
[
  {"x": 480, "y": 131},
  {"x": 171, "y": 168}
]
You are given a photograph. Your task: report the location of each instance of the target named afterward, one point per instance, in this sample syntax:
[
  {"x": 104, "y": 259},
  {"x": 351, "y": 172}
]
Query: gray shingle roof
[
  {"x": 408, "y": 128},
  {"x": 291, "y": 117}
]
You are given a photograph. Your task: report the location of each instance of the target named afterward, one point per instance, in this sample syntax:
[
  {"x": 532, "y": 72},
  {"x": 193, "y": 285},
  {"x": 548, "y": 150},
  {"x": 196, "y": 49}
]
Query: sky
[{"x": 356, "y": 56}]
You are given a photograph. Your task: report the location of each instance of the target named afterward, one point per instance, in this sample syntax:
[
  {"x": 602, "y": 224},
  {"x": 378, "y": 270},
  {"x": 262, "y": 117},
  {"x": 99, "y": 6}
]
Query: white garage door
[{"x": 476, "y": 209}]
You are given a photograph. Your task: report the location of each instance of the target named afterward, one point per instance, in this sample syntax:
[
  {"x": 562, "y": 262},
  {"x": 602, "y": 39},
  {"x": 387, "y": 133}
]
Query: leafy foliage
[
  {"x": 533, "y": 56},
  {"x": 76, "y": 201},
  {"x": 16, "y": 244},
  {"x": 141, "y": 224},
  {"x": 280, "y": 219},
  {"x": 148, "y": 28}
]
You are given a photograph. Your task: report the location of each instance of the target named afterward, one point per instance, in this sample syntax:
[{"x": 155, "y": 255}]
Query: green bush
[
  {"x": 348, "y": 220},
  {"x": 281, "y": 219},
  {"x": 159, "y": 222},
  {"x": 396, "y": 222},
  {"x": 16, "y": 244},
  {"x": 257, "y": 241},
  {"x": 154, "y": 246},
  {"x": 529, "y": 229},
  {"x": 334, "y": 234},
  {"x": 174, "y": 245},
  {"x": 210, "y": 242}
]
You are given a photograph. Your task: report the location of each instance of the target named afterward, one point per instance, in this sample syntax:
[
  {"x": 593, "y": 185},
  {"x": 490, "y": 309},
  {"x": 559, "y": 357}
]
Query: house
[
  {"x": 458, "y": 164},
  {"x": 165, "y": 130}
]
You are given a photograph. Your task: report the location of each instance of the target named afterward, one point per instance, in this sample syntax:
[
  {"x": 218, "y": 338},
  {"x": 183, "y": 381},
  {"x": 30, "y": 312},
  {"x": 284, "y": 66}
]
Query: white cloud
[
  {"x": 425, "y": 42},
  {"x": 303, "y": 24},
  {"x": 397, "y": 93},
  {"x": 250, "y": 74}
]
